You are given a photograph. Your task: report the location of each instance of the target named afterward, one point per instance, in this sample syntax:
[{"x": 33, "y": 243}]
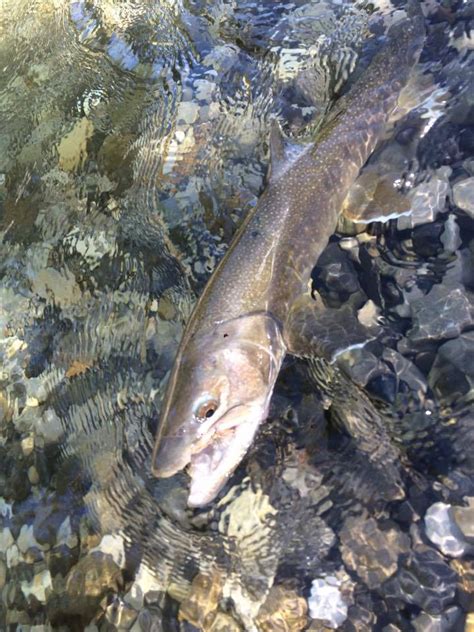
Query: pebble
[
  {"x": 33, "y": 475},
  {"x": 326, "y": 603},
  {"x": 27, "y": 445},
  {"x": 463, "y": 195},
  {"x": 443, "y": 531}
]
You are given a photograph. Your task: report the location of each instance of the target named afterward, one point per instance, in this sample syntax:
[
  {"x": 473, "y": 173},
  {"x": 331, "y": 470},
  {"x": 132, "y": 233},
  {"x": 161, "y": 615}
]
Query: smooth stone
[
  {"x": 443, "y": 531},
  {"x": 463, "y": 195}
]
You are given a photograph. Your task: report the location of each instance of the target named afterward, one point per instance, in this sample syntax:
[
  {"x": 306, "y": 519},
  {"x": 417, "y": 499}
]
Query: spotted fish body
[{"x": 240, "y": 330}]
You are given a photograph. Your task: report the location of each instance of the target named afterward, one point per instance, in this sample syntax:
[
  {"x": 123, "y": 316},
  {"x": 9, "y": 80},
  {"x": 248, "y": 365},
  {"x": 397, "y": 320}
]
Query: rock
[
  {"x": 465, "y": 570},
  {"x": 120, "y": 614},
  {"x": 200, "y": 607},
  {"x": 443, "y": 531},
  {"x": 463, "y": 195},
  {"x": 6, "y": 539},
  {"x": 26, "y": 540},
  {"x": 464, "y": 518},
  {"x": 94, "y": 576},
  {"x": 452, "y": 373},
  {"x": 3, "y": 574},
  {"x": 39, "y": 586},
  {"x": 438, "y": 623},
  {"x": 427, "y": 200},
  {"x": 326, "y": 603},
  {"x": 440, "y": 315},
  {"x": 224, "y": 623},
  {"x": 425, "y": 580},
  {"x": 451, "y": 238},
  {"x": 370, "y": 552},
  {"x": 50, "y": 514},
  {"x": 283, "y": 611}
]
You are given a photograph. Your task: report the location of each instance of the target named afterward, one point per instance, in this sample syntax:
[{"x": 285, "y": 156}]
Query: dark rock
[
  {"x": 50, "y": 514},
  {"x": 426, "y": 581},
  {"x": 452, "y": 373},
  {"x": 440, "y": 315},
  {"x": 95, "y": 576}
]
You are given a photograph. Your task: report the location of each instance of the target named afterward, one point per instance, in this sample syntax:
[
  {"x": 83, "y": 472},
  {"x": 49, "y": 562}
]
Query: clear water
[{"x": 134, "y": 139}]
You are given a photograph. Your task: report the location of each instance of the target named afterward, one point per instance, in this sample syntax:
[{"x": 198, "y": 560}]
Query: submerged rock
[
  {"x": 283, "y": 611},
  {"x": 326, "y": 602},
  {"x": 443, "y": 531},
  {"x": 452, "y": 373},
  {"x": 437, "y": 622},
  {"x": 426, "y": 580},
  {"x": 200, "y": 607},
  {"x": 463, "y": 195},
  {"x": 370, "y": 551},
  {"x": 464, "y": 518},
  {"x": 440, "y": 315}
]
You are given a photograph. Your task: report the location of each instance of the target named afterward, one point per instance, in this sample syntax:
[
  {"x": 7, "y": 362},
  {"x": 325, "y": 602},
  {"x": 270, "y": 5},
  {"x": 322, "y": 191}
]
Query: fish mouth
[{"x": 215, "y": 459}]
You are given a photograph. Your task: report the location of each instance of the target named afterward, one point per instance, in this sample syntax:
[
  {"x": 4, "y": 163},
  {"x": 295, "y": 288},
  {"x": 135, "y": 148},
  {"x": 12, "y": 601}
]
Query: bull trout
[{"x": 257, "y": 306}]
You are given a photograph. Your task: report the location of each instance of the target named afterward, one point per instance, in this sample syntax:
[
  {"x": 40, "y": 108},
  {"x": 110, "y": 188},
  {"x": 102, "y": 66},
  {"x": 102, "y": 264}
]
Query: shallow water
[{"x": 134, "y": 139}]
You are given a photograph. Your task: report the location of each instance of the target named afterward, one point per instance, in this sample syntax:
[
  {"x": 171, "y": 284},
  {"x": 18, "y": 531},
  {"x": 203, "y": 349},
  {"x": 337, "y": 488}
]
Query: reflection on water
[{"x": 133, "y": 141}]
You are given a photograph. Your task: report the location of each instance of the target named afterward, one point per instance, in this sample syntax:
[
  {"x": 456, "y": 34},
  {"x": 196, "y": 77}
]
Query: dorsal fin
[{"x": 283, "y": 152}]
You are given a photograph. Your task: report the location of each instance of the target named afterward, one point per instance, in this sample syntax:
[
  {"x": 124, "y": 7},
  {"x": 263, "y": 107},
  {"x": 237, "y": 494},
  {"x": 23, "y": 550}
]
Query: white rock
[
  {"x": 326, "y": 602},
  {"x": 26, "y": 540},
  {"x": 5, "y": 509},
  {"x": 13, "y": 556},
  {"x": 113, "y": 545},
  {"x": 49, "y": 427},
  {"x": 39, "y": 585},
  {"x": 6, "y": 539},
  {"x": 442, "y": 530},
  {"x": 463, "y": 195},
  {"x": 65, "y": 535},
  {"x": 427, "y": 200}
]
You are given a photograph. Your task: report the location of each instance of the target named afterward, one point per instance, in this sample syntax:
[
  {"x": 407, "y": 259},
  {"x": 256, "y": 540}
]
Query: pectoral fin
[{"x": 312, "y": 329}]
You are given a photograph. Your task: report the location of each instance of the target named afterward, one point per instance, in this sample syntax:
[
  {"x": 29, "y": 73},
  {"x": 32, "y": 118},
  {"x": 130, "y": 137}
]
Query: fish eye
[{"x": 206, "y": 409}]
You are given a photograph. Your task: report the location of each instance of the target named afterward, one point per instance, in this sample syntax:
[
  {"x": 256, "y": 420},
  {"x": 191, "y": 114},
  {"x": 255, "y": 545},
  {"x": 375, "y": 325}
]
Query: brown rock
[
  {"x": 283, "y": 611},
  {"x": 200, "y": 607}
]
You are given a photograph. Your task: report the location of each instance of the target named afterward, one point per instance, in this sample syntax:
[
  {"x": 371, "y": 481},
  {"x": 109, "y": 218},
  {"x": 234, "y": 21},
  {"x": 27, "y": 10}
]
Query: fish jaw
[{"x": 215, "y": 462}]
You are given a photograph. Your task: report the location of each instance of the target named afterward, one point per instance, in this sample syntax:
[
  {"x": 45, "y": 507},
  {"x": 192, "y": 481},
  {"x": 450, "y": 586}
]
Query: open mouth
[{"x": 213, "y": 450}]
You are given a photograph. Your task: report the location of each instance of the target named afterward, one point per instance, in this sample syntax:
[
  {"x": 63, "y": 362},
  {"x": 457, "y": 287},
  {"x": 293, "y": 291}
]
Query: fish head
[{"x": 218, "y": 394}]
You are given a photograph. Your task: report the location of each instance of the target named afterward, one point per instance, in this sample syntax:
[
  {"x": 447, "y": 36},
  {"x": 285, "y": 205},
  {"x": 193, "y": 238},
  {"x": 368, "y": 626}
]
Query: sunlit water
[{"x": 134, "y": 139}]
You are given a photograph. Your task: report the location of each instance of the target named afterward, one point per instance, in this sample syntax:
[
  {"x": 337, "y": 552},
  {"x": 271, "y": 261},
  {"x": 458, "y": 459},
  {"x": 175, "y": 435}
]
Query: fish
[{"x": 257, "y": 307}]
